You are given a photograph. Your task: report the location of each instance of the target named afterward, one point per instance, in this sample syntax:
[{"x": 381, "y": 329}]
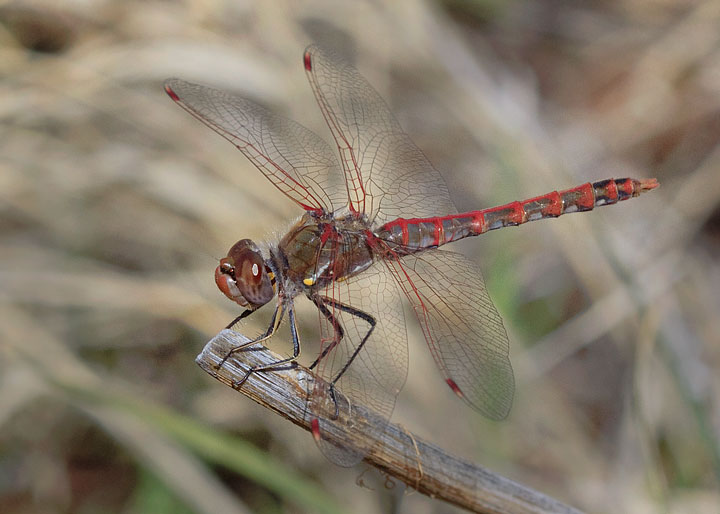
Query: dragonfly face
[{"x": 243, "y": 277}]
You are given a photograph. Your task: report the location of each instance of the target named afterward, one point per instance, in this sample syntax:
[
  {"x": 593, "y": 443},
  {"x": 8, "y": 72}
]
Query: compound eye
[
  {"x": 249, "y": 272},
  {"x": 252, "y": 268},
  {"x": 227, "y": 268}
]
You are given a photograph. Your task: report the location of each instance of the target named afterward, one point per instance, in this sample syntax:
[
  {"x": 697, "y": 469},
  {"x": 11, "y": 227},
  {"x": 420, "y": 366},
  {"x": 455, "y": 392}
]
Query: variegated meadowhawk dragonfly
[{"x": 369, "y": 237}]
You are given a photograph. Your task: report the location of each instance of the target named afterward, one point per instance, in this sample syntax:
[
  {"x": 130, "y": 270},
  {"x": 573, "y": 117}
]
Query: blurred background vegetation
[{"x": 115, "y": 205}]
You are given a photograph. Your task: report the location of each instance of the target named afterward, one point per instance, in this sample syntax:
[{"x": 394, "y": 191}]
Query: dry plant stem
[{"x": 400, "y": 454}]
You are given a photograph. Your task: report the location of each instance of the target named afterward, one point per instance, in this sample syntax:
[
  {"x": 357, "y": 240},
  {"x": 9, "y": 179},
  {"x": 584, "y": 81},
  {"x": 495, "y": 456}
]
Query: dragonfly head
[{"x": 243, "y": 276}]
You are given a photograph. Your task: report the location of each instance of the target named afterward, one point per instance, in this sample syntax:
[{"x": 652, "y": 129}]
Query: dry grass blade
[
  {"x": 115, "y": 206},
  {"x": 399, "y": 454},
  {"x": 47, "y": 369}
]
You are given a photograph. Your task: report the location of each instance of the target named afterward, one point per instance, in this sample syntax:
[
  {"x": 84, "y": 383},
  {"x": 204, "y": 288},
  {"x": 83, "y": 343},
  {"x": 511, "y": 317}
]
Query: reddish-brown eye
[
  {"x": 252, "y": 268},
  {"x": 242, "y": 276}
]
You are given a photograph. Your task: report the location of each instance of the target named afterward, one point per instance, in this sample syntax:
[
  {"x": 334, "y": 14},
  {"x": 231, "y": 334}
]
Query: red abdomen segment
[{"x": 411, "y": 235}]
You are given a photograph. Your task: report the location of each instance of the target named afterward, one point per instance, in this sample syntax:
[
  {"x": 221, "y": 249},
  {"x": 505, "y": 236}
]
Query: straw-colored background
[{"x": 115, "y": 205}]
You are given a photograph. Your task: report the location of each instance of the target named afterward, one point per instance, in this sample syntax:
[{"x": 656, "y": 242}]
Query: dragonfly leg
[
  {"x": 320, "y": 301},
  {"x": 244, "y": 315},
  {"x": 282, "y": 364},
  {"x": 274, "y": 323},
  {"x": 337, "y": 328}
]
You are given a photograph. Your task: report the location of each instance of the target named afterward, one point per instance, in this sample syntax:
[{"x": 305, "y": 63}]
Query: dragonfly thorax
[
  {"x": 244, "y": 277},
  {"x": 317, "y": 252}
]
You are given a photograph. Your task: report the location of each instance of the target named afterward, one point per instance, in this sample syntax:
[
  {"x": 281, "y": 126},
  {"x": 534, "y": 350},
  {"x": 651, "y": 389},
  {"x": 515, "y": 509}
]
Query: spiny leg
[
  {"x": 282, "y": 364},
  {"x": 243, "y": 315},
  {"x": 339, "y": 334},
  {"x": 274, "y": 323}
]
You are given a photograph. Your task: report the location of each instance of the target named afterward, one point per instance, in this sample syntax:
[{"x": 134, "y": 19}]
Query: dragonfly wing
[
  {"x": 387, "y": 176},
  {"x": 295, "y": 159},
  {"x": 462, "y": 327},
  {"x": 376, "y": 372}
]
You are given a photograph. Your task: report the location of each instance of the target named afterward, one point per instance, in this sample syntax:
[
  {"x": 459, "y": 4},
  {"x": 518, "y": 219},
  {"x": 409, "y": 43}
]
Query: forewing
[
  {"x": 378, "y": 371},
  {"x": 462, "y": 327},
  {"x": 296, "y": 160},
  {"x": 387, "y": 176}
]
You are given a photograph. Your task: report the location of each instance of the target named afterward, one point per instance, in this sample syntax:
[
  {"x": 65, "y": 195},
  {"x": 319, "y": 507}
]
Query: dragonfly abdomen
[{"x": 416, "y": 234}]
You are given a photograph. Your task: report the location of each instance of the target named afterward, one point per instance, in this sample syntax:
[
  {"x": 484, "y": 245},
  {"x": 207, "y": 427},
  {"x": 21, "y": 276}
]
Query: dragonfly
[{"x": 368, "y": 243}]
